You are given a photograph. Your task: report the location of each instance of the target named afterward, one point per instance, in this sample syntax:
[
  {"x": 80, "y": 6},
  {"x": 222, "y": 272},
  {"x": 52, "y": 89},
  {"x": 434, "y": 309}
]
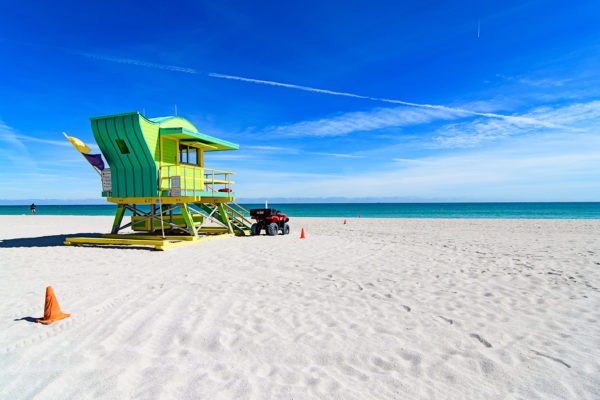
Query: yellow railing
[
  {"x": 236, "y": 214},
  {"x": 195, "y": 179}
]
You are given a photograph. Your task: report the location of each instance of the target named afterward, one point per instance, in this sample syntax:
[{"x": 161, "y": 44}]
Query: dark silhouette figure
[{"x": 32, "y": 208}]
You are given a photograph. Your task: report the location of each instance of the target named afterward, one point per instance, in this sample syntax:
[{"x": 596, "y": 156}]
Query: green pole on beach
[{"x": 118, "y": 219}]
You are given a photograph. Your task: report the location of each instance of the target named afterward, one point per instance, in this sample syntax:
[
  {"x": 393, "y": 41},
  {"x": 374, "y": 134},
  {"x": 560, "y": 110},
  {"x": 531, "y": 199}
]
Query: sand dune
[{"x": 376, "y": 309}]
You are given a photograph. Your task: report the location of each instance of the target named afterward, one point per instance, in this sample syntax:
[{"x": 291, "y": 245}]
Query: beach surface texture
[{"x": 375, "y": 309}]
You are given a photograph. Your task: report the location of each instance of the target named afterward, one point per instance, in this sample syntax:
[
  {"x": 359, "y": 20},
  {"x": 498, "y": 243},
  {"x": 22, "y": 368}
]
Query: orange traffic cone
[
  {"x": 345, "y": 222},
  {"x": 302, "y": 234},
  {"x": 52, "y": 311}
]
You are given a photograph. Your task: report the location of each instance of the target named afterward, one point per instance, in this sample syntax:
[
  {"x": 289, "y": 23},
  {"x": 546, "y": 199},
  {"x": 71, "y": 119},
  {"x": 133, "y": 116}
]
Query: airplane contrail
[
  {"x": 517, "y": 120},
  {"x": 140, "y": 63},
  {"x": 524, "y": 120}
]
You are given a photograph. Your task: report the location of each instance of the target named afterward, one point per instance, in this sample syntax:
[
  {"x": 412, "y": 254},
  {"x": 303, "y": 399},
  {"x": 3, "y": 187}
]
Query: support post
[
  {"x": 153, "y": 213},
  {"x": 224, "y": 218},
  {"x": 189, "y": 221},
  {"x": 162, "y": 216},
  {"x": 118, "y": 219}
]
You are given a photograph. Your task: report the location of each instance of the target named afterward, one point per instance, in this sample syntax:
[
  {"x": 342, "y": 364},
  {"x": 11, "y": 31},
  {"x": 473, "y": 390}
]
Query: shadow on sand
[
  {"x": 58, "y": 240},
  {"x": 28, "y": 319},
  {"x": 43, "y": 241}
]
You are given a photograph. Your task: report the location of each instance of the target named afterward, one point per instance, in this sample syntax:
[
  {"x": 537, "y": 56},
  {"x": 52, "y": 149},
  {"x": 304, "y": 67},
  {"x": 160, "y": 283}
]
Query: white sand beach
[{"x": 375, "y": 309}]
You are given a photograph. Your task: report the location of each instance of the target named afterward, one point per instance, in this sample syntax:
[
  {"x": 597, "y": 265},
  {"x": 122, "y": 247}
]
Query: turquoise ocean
[{"x": 372, "y": 210}]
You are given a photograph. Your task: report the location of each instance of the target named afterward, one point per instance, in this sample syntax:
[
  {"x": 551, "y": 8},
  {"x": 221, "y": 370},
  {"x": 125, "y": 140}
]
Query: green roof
[
  {"x": 180, "y": 128},
  {"x": 115, "y": 115},
  {"x": 173, "y": 122},
  {"x": 187, "y": 135}
]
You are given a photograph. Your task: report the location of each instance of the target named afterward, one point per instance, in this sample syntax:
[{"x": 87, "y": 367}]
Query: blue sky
[{"x": 417, "y": 101}]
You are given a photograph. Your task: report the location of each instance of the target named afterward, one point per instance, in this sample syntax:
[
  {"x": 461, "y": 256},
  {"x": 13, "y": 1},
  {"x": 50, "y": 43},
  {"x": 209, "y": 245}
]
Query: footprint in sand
[
  {"x": 481, "y": 340},
  {"x": 558, "y": 360}
]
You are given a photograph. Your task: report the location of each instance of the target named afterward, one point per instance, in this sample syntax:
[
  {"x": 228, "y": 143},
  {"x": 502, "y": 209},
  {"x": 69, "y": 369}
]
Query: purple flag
[{"x": 95, "y": 160}]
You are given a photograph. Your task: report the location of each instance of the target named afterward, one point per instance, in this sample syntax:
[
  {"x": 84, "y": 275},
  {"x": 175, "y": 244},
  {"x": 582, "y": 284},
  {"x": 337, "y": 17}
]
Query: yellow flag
[{"x": 78, "y": 144}]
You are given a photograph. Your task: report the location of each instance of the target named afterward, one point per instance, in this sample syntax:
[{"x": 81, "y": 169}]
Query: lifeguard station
[{"x": 157, "y": 172}]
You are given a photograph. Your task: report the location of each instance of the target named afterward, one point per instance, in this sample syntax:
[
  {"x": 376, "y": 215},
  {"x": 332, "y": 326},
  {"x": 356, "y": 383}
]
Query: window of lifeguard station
[{"x": 188, "y": 155}]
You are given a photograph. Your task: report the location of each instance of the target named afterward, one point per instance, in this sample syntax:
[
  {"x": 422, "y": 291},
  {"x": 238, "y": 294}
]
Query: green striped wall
[
  {"x": 150, "y": 132},
  {"x": 133, "y": 174}
]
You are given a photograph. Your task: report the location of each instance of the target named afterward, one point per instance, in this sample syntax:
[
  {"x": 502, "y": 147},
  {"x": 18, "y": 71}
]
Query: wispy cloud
[
  {"x": 219, "y": 155},
  {"x": 361, "y": 121},
  {"x": 397, "y": 117},
  {"x": 269, "y": 148},
  {"x": 581, "y": 116},
  {"x": 290, "y": 150},
  {"x": 412, "y": 161},
  {"x": 62, "y": 143},
  {"x": 455, "y": 110},
  {"x": 573, "y": 114},
  {"x": 545, "y": 83},
  {"x": 337, "y": 155},
  {"x": 536, "y": 82},
  {"x": 259, "y": 182},
  {"x": 527, "y": 169},
  {"x": 13, "y": 149},
  {"x": 8, "y": 135}
]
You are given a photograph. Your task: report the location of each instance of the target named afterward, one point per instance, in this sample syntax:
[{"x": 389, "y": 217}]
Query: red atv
[{"x": 269, "y": 219}]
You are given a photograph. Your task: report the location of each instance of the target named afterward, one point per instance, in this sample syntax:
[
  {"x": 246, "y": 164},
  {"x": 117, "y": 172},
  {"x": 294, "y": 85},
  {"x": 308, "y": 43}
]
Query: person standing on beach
[{"x": 32, "y": 208}]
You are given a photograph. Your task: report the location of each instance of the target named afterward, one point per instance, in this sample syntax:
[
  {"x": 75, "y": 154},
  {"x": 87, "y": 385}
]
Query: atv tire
[{"x": 272, "y": 229}]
